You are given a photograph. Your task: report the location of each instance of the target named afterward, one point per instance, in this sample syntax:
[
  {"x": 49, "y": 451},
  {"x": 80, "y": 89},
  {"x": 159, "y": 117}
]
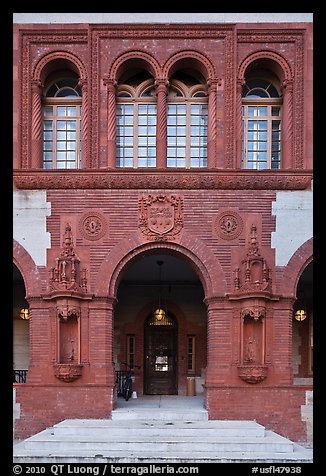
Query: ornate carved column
[
  {"x": 238, "y": 111},
  {"x": 211, "y": 127},
  {"x": 161, "y": 123},
  {"x": 287, "y": 124},
  {"x": 36, "y": 137},
  {"x": 111, "y": 85},
  {"x": 85, "y": 153}
]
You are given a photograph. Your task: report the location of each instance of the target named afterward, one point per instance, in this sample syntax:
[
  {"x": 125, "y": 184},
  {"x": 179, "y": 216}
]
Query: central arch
[
  {"x": 192, "y": 250},
  {"x": 125, "y": 262}
]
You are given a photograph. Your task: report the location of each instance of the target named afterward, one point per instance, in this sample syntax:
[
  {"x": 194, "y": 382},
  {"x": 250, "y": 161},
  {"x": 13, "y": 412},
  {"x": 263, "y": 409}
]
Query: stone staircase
[{"x": 160, "y": 436}]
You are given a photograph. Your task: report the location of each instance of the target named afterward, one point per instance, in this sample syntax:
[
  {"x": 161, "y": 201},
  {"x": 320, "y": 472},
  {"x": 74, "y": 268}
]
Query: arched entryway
[
  {"x": 169, "y": 348},
  {"x": 302, "y": 330},
  {"x": 20, "y": 328}
]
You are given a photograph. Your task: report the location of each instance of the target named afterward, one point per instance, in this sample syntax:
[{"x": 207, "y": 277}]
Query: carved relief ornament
[{"x": 160, "y": 216}]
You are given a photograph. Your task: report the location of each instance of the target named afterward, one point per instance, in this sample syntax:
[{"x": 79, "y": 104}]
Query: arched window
[
  {"x": 187, "y": 119},
  {"x": 62, "y": 112},
  {"x": 136, "y": 122},
  {"x": 261, "y": 121}
]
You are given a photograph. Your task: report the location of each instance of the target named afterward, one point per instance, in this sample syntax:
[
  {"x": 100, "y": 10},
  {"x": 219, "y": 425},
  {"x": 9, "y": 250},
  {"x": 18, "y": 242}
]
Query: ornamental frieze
[{"x": 95, "y": 179}]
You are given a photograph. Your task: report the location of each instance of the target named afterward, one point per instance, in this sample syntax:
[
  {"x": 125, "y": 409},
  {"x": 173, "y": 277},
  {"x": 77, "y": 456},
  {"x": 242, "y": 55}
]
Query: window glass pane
[
  {"x": 48, "y": 145},
  {"x": 71, "y": 156},
  {"x": 47, "y": 135},
  {"x": 71, "y": 145},
  {"x": 61, "y": 111},
  {"x": 61, "y": 135},
  {"x": 61, "y": 125},
  {"x": 61, "y": 145},
  {"x": 71, "y": 135},
  {"x": 71, "y": 125},
  {"x": 262, "y": 125},
  {"x": 172, "y": 109},
  {"x": 181, "y": 109},
  {"x": 48, "y": 125},
  {"x": 48, "y": 165},
  {"x": 262, "y": 111},
  {"x": 71, "y": 111},
  {"x": 48, "y": 110},
  {"x": 252, "y": 111}
]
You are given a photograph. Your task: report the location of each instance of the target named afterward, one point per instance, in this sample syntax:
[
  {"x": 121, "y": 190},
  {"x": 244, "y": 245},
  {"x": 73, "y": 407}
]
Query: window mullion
[
  {"x": 135, "y": 138},
  {"x": 188, "y": 133},
  {"x": 54, "y": 151},
  {"x": 269, "y": 137}
]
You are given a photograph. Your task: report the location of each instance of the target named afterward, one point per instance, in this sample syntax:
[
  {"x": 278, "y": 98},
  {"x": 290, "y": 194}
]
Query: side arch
[
  {"x": 192, "y": 250},
  {"x": 28, "y": 269},
  {"x": 284, "y": 73},
  {"x": 296, "y": 265},
  {"x": 52, "y": 60}
]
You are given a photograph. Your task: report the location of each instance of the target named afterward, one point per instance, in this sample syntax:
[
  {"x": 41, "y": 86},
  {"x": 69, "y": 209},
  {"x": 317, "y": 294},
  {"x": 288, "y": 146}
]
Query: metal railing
[{"x": 19, "y": 376}]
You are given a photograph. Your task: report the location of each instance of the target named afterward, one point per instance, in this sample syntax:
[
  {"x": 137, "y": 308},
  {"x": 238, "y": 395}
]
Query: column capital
[
  {"x": 161, "y": 84},
  {"x": 37, "y": 86},
  {"x": 82, "y": 82},
  {"x": 287, "y": 86},
  {"x": 110, "y": 83}
]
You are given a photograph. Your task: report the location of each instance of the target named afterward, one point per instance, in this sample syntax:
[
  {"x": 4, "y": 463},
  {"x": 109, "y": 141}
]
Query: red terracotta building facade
[{"x": 163, "y": 165}]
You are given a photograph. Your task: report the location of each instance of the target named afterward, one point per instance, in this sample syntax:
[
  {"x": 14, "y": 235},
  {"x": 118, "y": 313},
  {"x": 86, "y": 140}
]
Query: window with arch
[
  {"x": 261, "y": 122},
  {"x": 62, "y": 113},
  {"x": 187, "y": 120},
  {"x": 136, "y": 122}
]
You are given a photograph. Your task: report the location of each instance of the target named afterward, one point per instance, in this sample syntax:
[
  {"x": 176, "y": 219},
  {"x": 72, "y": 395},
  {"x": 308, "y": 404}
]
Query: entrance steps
[{"x": 156, "y": 440}]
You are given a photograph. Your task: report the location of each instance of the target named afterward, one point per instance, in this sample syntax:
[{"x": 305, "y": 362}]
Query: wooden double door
[{"x": 161, "y": 357}]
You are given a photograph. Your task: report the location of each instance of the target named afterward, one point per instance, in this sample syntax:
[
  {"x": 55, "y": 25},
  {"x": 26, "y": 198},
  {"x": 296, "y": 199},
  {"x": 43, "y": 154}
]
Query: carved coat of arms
[{"x": 160, "y": 216}]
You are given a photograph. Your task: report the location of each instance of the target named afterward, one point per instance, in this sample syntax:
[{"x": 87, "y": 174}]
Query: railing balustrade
[{"x": 19, "y": 376}]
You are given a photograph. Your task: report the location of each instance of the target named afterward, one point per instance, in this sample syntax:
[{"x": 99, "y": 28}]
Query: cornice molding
[{"x": 28, "y": 179}]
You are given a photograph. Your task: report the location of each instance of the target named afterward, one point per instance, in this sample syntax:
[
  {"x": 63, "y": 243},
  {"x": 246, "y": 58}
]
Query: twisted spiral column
[
  {"x": 211, "y": 127},
  {"x": 111, "y": 118},
  {"x": 161, "y": 123},
  {"x": 240, "y": 83},
  {"x": 36, "y": 136},
  {"x": 84, "y": 123},
  {"x": 287, "y": 124}
]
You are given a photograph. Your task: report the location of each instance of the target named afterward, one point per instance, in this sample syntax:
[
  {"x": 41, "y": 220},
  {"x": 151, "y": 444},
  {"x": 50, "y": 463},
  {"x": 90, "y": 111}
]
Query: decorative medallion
[
  {"x": 228, "y": 225},
  {"x": 160, "y": 216},
  {"x": 93, "y": 226}
]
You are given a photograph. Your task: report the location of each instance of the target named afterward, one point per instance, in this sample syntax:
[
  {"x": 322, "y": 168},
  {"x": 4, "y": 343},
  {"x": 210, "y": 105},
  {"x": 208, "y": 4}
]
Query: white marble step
[
  {"x": 152, "y": 441},
  {"x": 101, "y": 428}
]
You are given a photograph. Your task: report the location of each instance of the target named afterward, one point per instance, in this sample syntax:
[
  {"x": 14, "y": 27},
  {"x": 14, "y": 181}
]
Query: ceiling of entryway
[{"x": 173, "y": 270}]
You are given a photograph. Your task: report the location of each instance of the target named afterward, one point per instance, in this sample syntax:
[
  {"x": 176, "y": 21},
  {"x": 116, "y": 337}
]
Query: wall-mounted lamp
[
  {"x": 300, "y": 315},
  {"x": 24, "y": 314}
]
